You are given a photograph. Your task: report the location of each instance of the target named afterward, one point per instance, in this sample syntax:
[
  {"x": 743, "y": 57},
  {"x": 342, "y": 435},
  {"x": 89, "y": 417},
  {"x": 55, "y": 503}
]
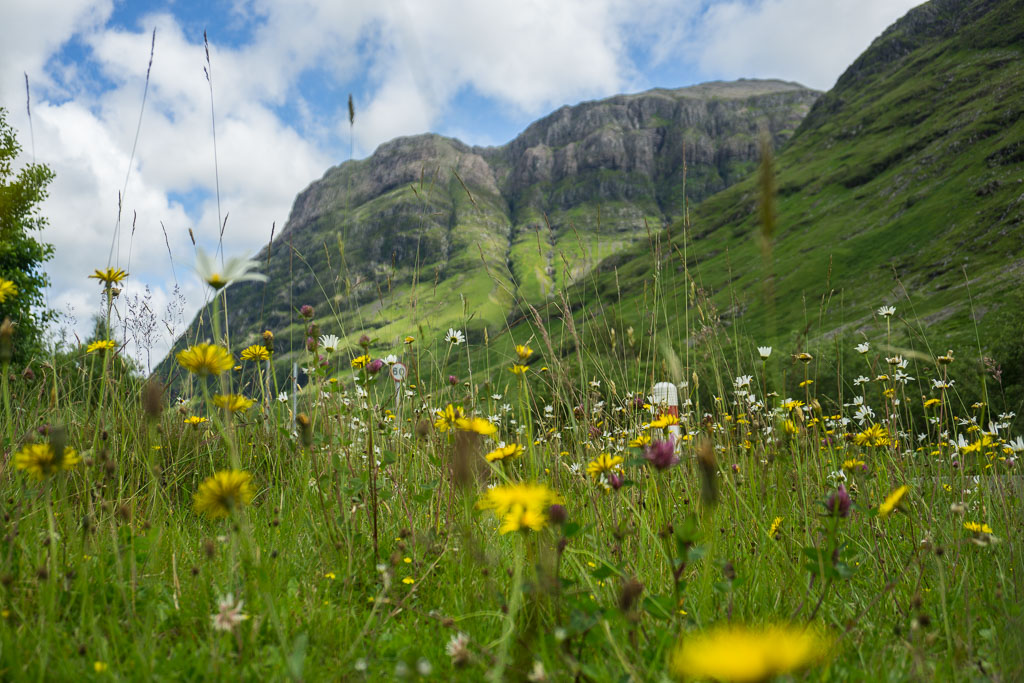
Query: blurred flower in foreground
[
  {"x": 40, "y": 460},
  {"x": 206, "y": 359},
  {"x": 510, "y": 451},
  {"x": 223, "y": 492},
  {"x": 893, "y": 500},
  {"x": 476, "y": 424},
  {"x": 234, "y": 403},
  {"x": 839, "y": 502},
  {"x": 737, "y": 653},
  {"x": 7, "y": 289},
  {"x": 237, "y": 269},
  {"x": 519, "y": 506},
  {"x": 661, "y": 454},
  {"x": 229, "y": 614}
]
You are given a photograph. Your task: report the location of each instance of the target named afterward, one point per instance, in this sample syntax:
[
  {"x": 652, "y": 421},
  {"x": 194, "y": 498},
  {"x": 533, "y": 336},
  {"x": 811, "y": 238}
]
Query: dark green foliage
[{"x": 21, "y": 252}]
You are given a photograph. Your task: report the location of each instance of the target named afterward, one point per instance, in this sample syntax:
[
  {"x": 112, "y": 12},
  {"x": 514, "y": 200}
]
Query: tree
[{"x": 21, "y": 252}]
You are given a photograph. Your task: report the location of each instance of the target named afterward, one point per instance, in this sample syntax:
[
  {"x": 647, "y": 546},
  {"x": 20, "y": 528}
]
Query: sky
[{"x": 275, "y": 91}]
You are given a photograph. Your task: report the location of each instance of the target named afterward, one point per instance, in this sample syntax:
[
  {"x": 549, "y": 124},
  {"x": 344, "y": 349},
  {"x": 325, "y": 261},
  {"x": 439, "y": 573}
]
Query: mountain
[
  {"x": 429, "y": 231},
  {"x": 904, "y": 186}
]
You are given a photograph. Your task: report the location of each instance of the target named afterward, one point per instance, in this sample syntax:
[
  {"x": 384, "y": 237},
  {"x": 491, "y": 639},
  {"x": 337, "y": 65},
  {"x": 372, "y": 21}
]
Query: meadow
[{"x": 508, "y": 511}]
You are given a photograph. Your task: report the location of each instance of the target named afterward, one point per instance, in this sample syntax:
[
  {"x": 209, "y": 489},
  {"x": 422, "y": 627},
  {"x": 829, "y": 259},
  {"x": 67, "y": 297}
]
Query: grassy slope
[{"x": 908, "y": 192}]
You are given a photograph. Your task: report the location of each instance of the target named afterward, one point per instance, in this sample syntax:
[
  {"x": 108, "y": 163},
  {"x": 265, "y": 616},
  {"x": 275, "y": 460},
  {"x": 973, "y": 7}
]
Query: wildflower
[
  {"x": 360, "y": 361},
  {"x": 374, "y": 366},
  {"x": 99, "y": 667},
  {"x": 661, "y": 454},
  {"x": 195, "y": 420},
  {"x": 109, "y": 276},
  {"x": 233, "y": 403},
  {"x": 445, "y": 418},
  {"x": 806, "y": 383},
  {"x": 523, "y": 351},
  {"x": 663, "y": 421},
  {"x": 101, "y": 345},
  {"x": 410, "y": 340},
  {"x": 206, "y": 359},
  {"x": 887, "y": 311},
  {"x": 330, "y": 342},
  {"x": 229, "y": 614},
  {"x": 604, "y": 464},
  {"x": 774, "y": 530},
  {"x": 874, "y": 436},
  {"x": 40, "y": 460},
  {"x": 518, "y": 369},
  {"x": 854, "y": 465},
  {"x": 977, "y": 528},
  {"x": 738, "y": 653},
  {"x": 475, "y": 424},
  {"x": 282, "y": 397},
  {"x": 640, "y": 441},
  {"x": 223, "y": 492},
  {"x": 512, "y": 450},
  {"x": 237, "y": 269},
  {"x": 256, "y": 352},
  {"x": 742, "y": 381},
  {"x": 839, "y": 502},
  {"x": 454, "y": 336},
  {"x": 892, "y": 501},
  {"x": 764, "y": 351},
  {"x": 458, "y": 649},
  {"x": 863, "y": 348},
  {"x": 863, "y": 414},
  {"x": 791, "y": 404},
  {"x": 519, "y": 506},
  {"x": 408, "y": 581},
  {"x": 790, "y": 428},
  {"x": 947, "y": 359},
  {"x": 931, "y": 403},
  {"x": 7, "y": 289}
]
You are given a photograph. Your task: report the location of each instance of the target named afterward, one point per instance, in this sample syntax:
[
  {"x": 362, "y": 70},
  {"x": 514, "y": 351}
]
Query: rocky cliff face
[{"x": 430, "y": 230}]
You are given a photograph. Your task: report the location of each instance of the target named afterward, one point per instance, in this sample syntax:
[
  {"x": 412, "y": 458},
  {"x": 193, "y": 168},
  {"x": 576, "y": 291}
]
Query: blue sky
[{"x": 479, "y": 70}]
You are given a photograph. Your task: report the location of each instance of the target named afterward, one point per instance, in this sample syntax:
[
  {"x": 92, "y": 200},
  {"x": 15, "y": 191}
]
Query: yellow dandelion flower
[
  {"x": 604, "y": 464},
  {"x": 360, "y": 362},
  {"x": 806, "y": 383},
  {"x": 206, "y": 359},
  {"x": 109, "y": 276},
  {"x": 791, "y": 405},
  {"x": 523, "y": 351},
  {"x": 224, "y": 492},
  {"x": 410, "y": 340},
  {"x": 475, "y": 424},
  {"x": 40, "y": 460},
  {"x": 874, "y": 436},
  {"x": 256, "y": 352},
  {"x": 519, "y": 506},
  {"x": 521, "y": 519},
  {"x": 195, "y": 420},
  {"x": 640, "y": 441},
  {"x": 853, "y": 465},
  {"x": 773, "y": 532},
  {"x": 518, "y": 369},
  {"x": 663, "y": 421},
  {"x": 978, "y": 528},
  {"x": 510, "y": 451},
  {"x": 739, "y": 653},
  {"x": 99, "y": 667},
  {"x": 408, "y": 581},
  {"x": 931, "y": 403},
  {"x": 892, "y": 501},
  {"x": 789, "y": 427},
  {"x": 102, "y": 346},
  {"x": 234, "y": 403},
  {"x": 7, "y": 289},
  {"x": 445, "y": 418}
]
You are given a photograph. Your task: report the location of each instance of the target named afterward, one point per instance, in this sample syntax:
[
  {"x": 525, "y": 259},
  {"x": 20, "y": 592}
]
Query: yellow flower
[
  {"x": 40, "y": 460},
  {"x": 195, "y": 420},
  {"x": 110, "y": 276},
  {"x": 738, "y": 653},
  {"x": 101, "y": 346},
  {"x": 875, "y": 435},
  {"x": 518, "y": 369},
  {"x": 408, "y": 581},
  {"x": 330, "y": 575},
  {"x": 476, "y": 424},
  {"x": 978, "y": 528},
  {"x": 410, "y": 340},
  {"x": 256, "y": 352},
  {"x": 789, "y": 427},
  {"x": 853, "y": 465},
  {"x": 99, "y": 667},
  {"x": 360, "y": 362},
  {"x": 519, "y": 506},
  {"x": 206, "y": 359},
  {"x": 7, "y": 289},
  {"x": 806, "y": 383},
  {"x": 640, "y": 441},
  {"x": 931, "y": 402},
  {"x": 446, "y": 417},
  {"x": 223, "y": 492},
  {"x": 510, "y": 451},
  {"x": 233, "y": 402},
  {"x": 776, "y": 525},
  {"x": 604, "y": 464},
  {"x": 663, "y": 421},
  {"x": 791, "y": 405},
  {"x": 892, "y": 501},
  {"x": 523, "y": 351}
]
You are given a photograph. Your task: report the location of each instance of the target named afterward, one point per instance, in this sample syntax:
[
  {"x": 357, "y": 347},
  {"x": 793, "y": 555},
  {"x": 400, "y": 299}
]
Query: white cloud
[{"x": 808, "y": 41}]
